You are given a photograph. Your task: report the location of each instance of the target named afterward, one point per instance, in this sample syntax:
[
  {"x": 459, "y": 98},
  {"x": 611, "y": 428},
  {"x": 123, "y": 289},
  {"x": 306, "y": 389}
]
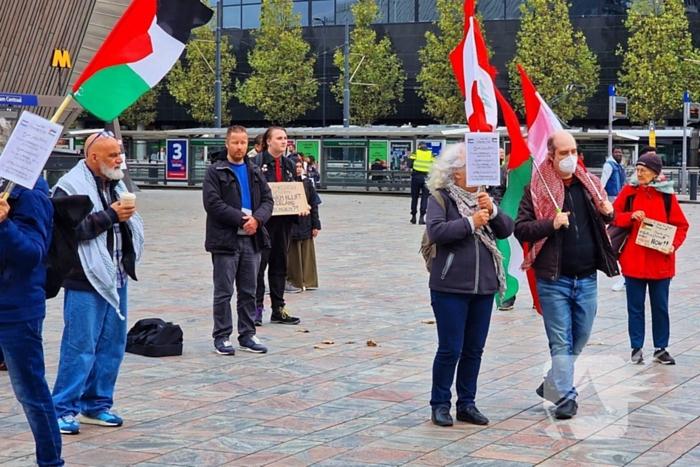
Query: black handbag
[
  {"x": 619, "y": 235},
  {"x": 153, "y": 337}
]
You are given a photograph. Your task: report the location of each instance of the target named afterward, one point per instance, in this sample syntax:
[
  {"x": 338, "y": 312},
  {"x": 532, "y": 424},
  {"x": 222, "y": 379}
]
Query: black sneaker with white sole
[
  {"x": 282, "y": 316},
  {"x": 637, "y": 357},
  {"x": 224, "y": 348},
  {"x": 662, "y": 356},
  {"x": 252, "y": 345}
]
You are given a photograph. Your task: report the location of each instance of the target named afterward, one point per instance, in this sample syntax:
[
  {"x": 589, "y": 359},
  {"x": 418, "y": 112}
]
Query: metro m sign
[{"x": 61, "y": 59}]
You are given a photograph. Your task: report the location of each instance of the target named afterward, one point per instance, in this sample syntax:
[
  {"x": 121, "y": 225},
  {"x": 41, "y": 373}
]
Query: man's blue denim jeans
[
  {"x": 24, "y": 354},
  {"x": 568, "y": 310},
  {"x": 462, "y": 325},
  {"x": 660, "y": 320},
  {"x": 92, "y": 349}
]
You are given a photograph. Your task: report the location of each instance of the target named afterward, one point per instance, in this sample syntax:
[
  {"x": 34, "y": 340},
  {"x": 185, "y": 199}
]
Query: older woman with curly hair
[{"x": 465, "y": 275}]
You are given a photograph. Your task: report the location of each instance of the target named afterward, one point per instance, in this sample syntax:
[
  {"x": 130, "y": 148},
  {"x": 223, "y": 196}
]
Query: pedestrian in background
[
  {"x": 301, "y": 270},
  {"x": 419, "y": 163},
  {"x": 464, "y": 278},
  {"x": 647, "y": 197}
]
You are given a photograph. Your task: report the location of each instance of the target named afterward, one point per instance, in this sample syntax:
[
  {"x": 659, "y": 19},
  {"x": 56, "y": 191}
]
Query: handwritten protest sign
[
  {"x": 290, "y": 198},
  {"x": 28, "y": 149},
  {"x": 656, "y": 235},
  {"x": 483, "y": 164}
]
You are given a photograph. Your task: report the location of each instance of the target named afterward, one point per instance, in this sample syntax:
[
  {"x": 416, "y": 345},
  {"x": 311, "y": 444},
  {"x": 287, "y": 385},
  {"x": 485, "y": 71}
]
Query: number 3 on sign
[{"x": 177, "y": 151}]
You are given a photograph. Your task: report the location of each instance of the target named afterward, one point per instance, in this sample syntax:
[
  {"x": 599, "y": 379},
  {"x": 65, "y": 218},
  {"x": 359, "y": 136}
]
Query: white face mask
[{"x": 568, "y": 164}]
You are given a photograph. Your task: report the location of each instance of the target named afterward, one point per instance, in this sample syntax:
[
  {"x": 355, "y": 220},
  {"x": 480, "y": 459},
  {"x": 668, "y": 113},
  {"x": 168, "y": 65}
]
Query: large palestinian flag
[{"x": 141, "y": 49}]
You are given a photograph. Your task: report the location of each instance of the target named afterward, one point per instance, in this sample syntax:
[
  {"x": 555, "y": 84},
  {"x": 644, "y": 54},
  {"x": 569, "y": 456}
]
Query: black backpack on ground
[{"x": 153, "y": 337}]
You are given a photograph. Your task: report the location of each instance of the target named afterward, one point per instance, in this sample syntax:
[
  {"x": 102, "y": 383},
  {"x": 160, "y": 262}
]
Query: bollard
[{"x": 693, "y": 186}]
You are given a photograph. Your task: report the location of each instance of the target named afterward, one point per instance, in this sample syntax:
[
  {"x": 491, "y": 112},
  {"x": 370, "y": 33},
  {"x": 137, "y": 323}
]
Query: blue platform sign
[
  {"x": 176, "y": 152},
  {"x": 19, "y": 99}
]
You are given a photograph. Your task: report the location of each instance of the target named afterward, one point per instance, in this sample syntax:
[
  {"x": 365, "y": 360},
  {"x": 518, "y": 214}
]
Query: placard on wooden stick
[
  {"x": 656, "y": 235},
  {"x": 290, "y": 198},
  {"x": 28, "y": 149}
]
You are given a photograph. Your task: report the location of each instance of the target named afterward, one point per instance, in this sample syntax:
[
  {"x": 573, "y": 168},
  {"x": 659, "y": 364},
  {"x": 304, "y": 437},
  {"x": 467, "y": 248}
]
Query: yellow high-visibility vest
[{"x": 423, "y": 160}]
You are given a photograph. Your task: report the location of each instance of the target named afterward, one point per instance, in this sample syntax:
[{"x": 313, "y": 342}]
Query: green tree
[
  {"x": 437, "y": 84},
  {"x": 556, "y": 58},
  {"x": 282, "y": 85},
  {"x": 191, "y": 82},
  {"x": 376, "y": 72},
  {"x": 654, "y": 72},
  {"x": 142, "y": 111}
]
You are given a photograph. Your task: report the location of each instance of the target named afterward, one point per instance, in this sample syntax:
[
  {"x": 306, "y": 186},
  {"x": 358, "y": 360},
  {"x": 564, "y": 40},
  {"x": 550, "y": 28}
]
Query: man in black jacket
[
  {"x": 238, "y": 202},
  {"x": 562, "y": 215},
  {"x": 276, "y": 168}
]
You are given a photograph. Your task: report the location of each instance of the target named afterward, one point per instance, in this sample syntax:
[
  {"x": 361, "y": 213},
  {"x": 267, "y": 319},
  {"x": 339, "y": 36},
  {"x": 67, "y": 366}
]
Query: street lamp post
[
  {"x": 217, "y": 82},
  {"x": 325, "y": 52}
]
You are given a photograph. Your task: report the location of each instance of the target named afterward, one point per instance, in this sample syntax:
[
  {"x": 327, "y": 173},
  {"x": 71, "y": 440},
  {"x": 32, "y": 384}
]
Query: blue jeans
[
  {"x": 462, "y": 324},
  {"x": 568, "y": 309},
  {"x": 92, "y": 349},
  {"x": 660, "y": 321},
  {"x": 24, "y": 354}
]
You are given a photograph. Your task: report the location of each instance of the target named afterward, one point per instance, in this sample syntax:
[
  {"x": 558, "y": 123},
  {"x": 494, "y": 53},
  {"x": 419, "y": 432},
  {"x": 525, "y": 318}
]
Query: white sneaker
[{"x": 619, "y": 285}]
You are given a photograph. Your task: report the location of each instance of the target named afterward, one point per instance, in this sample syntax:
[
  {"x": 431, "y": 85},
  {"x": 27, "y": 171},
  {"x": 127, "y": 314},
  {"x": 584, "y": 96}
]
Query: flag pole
[{"x": 54, "y": 119}]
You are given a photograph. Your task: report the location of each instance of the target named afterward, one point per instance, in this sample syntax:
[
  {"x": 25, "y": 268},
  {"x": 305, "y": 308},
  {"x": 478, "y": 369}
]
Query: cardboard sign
[
  {"x": 656, "y": 235},
  {"x": 28, "y": 149},
  {"x": 483, "y": 163},
  {"x": 290, "y": 198}
]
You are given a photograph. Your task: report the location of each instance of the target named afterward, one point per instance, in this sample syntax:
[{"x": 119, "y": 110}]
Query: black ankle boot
[
  {"x": 422, "y": 219},
  {"x": 413, "y": 218}
]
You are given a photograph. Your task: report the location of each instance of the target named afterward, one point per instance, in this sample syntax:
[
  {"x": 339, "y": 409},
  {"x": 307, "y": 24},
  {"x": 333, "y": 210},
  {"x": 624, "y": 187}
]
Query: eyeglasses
[{"x": 106, "y": 134}]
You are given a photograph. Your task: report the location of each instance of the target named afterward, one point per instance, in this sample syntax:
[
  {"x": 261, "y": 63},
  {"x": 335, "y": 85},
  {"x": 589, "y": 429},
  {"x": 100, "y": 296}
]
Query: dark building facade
[{"x": 406, "y": 22}]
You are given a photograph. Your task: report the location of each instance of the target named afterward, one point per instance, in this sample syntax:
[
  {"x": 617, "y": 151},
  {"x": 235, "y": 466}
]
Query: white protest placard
[
  {"x": 290, "y": 198},
  {"x": 483, "y": 163},
  {"x": 656, "y": 235},
  {"x": 28, "y": 149}
]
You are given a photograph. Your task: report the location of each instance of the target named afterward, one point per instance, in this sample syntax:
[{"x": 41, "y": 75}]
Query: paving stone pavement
[{"x": 348, "y": 404}]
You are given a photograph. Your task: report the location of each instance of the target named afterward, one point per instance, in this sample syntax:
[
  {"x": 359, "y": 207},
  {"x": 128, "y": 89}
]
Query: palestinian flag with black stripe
[{"x": 143, "y": 46}]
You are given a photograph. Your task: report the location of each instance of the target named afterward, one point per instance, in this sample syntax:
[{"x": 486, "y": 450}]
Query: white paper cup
[{"x": 128, "y": 199}]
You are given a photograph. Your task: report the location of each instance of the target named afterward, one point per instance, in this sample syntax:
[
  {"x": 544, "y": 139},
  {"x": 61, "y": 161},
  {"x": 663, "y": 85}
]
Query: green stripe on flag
[
  {"x": 110, "y": 91},
  {"x": 512, "y": 252}
]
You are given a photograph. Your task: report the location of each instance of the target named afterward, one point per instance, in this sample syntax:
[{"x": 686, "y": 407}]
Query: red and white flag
[
  {"x": 541, "y": 121},
  {"x": 470, "y": 62}
]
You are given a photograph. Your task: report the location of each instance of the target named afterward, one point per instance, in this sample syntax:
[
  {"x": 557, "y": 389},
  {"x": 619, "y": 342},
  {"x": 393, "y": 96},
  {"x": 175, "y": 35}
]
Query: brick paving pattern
[{"x": 348, "y": 404}]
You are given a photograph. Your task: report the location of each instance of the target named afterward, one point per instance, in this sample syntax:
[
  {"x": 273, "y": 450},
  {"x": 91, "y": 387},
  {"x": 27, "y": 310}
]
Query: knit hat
[{"x": 651, "y": 161}]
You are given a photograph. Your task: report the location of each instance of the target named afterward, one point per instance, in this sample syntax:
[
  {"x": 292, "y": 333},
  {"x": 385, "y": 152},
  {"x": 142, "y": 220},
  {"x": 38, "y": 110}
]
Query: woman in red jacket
[{"x": 649, "y": 197}]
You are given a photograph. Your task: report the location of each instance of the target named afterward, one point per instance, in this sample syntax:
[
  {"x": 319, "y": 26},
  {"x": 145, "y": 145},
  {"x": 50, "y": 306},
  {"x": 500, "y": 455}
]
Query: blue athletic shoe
[
  {"x": 68, "y": 425},
  {"x": 102, "y": 419},
  {"x": 252, "y": 345}
]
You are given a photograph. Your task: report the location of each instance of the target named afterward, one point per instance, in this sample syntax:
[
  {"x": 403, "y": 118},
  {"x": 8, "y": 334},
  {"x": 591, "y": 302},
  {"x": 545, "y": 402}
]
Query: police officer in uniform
[{"x": 420, "y": 163}]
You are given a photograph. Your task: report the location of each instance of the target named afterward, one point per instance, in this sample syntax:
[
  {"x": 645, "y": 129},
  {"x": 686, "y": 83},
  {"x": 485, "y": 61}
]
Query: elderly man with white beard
[{"x": 95, "y": 300}]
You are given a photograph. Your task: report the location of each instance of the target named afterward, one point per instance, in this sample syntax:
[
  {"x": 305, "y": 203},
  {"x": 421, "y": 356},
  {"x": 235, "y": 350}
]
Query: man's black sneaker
[
  {"x": 637, "y": 357},
  {"x": 441, "y": 417},
  {"x": 472, "y": 415},
  {"x": 224, "y": 348},
  {"x": 551, "y": 395},
  {"x": 421, "y": 221},
  {"x": 413, "y": 218},
  {"x": 282, "y": 316},
  {"x": 663, "y": 357},
  {"x": 566, "y": 409}
]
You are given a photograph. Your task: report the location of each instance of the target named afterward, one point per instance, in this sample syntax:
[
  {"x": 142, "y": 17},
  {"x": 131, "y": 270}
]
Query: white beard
[{"x": 112, "y": 174}]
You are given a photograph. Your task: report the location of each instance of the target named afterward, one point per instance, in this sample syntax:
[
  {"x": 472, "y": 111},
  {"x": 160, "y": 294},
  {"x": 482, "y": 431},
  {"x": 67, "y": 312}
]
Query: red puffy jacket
[{"x": 638, "y": 261}]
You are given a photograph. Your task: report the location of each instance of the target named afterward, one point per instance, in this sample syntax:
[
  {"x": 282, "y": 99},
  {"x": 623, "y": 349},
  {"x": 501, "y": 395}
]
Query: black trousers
[
  {"x": 418, "y": 188},
  {"x": 275, "y": 261}
]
